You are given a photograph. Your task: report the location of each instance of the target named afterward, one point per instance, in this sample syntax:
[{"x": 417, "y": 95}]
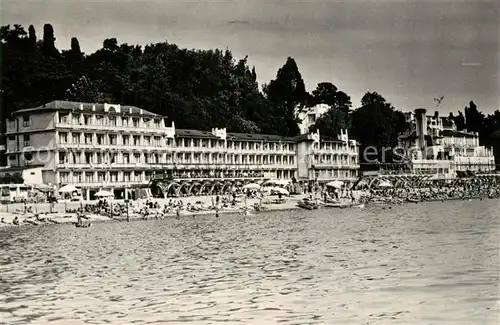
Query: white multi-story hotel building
[
  {"x": 116, "y": 147},
  {"x": 434, "y": 146}
]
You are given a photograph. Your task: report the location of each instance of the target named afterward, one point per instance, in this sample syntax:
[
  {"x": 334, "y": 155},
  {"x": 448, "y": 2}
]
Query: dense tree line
[{"x": 198, "y": 89}]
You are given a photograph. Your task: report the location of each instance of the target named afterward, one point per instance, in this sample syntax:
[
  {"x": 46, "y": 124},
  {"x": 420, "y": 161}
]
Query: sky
[{"x": 409, "y": 51}]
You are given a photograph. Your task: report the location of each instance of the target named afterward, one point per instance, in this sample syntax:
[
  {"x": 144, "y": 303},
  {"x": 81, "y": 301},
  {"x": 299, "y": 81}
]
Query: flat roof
[
  {"x": 6, "y": 169},
  {"x": 87, "y": 107}
]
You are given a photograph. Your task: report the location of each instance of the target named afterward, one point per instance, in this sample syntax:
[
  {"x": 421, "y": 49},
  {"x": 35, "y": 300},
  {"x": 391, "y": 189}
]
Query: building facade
[
  {"x": 433, "y": 145},
  {"x": 116, "y": 147},
  {"x": 309, "y": 115}
]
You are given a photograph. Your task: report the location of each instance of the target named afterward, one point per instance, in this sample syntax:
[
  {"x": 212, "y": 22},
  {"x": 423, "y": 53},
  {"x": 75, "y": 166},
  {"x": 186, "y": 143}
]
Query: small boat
[
  {"x": 83, "y": 225},
  {"x": 307, "y": 204}
]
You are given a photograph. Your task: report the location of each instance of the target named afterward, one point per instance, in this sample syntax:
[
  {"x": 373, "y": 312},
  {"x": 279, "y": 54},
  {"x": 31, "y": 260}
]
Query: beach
[{"x": 56, "y": 214}]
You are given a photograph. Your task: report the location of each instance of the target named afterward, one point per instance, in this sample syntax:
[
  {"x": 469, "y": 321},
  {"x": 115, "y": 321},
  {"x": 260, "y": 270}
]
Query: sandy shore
[{"x": 56, "y": 214}]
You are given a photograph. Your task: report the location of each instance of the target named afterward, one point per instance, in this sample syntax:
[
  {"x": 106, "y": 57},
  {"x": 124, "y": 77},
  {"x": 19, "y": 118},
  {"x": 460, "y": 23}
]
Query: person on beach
[
  {"x": 16, "y": 221},
  {"x": 217, "y": 212}
]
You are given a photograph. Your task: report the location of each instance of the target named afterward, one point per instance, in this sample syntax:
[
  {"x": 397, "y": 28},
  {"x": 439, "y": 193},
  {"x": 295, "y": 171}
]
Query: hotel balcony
[
  {"x": 110, "y": 147},
  {"x": 114, "y": 128}
]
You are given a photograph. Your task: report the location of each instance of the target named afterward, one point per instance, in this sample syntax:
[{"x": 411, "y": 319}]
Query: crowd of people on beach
[{"x": 236, "y": 201}]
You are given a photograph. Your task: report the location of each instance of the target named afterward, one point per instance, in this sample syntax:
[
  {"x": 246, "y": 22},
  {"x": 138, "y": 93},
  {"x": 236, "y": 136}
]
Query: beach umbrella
[
  {"x": 68, "y": 189},
  {"x": 279, "y": 190},
  {"x": 103, "y": 194},
  {"x": 336, "y": 184},
  {"x": 251, "y": 186}
]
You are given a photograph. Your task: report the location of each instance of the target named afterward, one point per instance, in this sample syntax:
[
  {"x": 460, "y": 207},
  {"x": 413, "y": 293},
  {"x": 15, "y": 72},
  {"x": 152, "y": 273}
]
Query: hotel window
[
  {"x": 147, "y": 141},
  {"x": 126, "y": 158},
  {"x": 156, "y": 124},
  {"x": 98, "y": 157},
  {"x": 257, "y": 146},
  {"x": 76, "y": 119},
  {"x": 88, "y": 138},
  {"x": 62, "y": 157},
  {"x": 124, "y": 121},
  {"x": 113, "y": 176},
  {"x": 135, "y": 122},
  {"x": 156, "y": 158},
  {"x": 137, "y": 140},
  {"x": 126, "y": 176},
  {"x": 63, "y": 177},
  {"x": 87, "y": 119},
  {"x": 114, "y": 158},
  {"x": 76, "y": 138},
  {"x": 137, "y": 176},
  {"x": 137, "y": 158},
  {"x": 63, "y": 118},
  {"x": 126, "y": 140},
  {"x": 63, "y": 138},
  {"x": 244, "y": 145},
  {"x": 88, "y": 158},
  {"x": 101, "y": 177},
  {"x": 112, "y": 139},
  {"x": 112, "y": 120},
  {"x": 89, "y": 177},
  {"x": 12, "y": 124},
  {"x": 146, "y": 122},
  {"x": 100, "y": 139},
  {"x": 196, "y": 143},
  {"x": 26, "y": 121},
  {"x": 169, "y": 142},
  {"x": 99, "y": 120},
  {"x": 26, "y": 140},
  {"x": 157, "y": 141},
  {"x": 77, "y": 177}
]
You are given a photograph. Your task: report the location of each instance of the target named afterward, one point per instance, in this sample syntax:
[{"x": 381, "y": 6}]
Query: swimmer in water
[{"x": 217, "y": 213}]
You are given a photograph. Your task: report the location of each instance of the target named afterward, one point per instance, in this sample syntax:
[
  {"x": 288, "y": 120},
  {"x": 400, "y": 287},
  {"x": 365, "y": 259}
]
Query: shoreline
[{"x": 289, "y": 205}]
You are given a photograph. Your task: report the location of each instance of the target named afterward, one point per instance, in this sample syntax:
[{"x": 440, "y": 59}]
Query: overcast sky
[{"x": 409, "y": 51}]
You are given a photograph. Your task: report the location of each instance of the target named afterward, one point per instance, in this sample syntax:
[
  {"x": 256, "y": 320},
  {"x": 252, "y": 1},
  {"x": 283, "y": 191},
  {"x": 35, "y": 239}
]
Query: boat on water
[
  {"x": 344, "y": 205},
  {"x": 83, "y": 225},
  {"x": 307, "y": 204}
]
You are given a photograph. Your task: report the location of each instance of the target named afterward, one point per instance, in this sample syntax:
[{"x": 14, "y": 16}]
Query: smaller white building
[
  {"x": 309, "y": 115},
  {"x": 433, "y": 145}
]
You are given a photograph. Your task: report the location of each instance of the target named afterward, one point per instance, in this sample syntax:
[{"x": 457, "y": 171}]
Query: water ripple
[{"x": 413, "y": 264}]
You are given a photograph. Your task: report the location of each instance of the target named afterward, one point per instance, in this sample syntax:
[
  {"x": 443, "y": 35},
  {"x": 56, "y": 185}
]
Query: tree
[
  {"x": 377, "y": 124},
  {"x": 286, "y": 93},
  {"x": 473, "y": 118},
  {"x": 460, "y": 121},
  {"x": 331, "y": 123}
]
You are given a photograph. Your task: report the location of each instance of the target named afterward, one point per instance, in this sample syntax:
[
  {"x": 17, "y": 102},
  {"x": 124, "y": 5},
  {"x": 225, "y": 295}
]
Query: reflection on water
[{"x": 434, "y": 263}]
